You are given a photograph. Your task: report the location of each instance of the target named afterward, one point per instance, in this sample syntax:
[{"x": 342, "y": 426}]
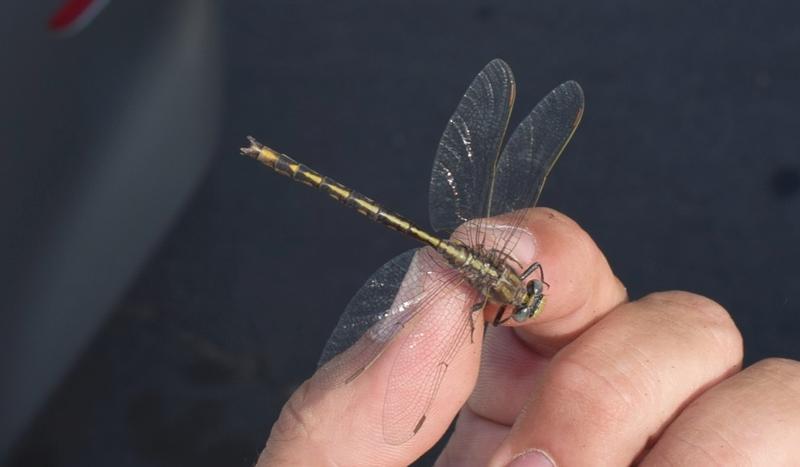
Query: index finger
[{"x": 582, "y": 288}]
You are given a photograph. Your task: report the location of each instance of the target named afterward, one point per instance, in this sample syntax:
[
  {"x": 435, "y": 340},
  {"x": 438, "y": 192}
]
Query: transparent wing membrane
[
  {"x": 412, "y": 291},
  {"x": 425, "y": 354},
  {"x": 375, "y": 301},
  {"x": 402, "y": 289},
  {"x": 417, "y": 301},
  {"x": 530, "y": 154},
  {"x": 534, "y": 147},
  {"x": 462, "y": 170}
]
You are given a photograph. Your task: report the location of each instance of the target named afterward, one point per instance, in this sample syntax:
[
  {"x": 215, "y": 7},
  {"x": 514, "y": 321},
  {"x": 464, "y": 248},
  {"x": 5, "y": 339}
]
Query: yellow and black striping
[{"x": 285, "y": 165}]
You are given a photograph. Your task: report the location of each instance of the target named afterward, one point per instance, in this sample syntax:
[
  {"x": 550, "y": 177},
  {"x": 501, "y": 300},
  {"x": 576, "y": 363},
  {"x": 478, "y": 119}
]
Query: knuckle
[
  {"x": 702, "y": 315},
  {"x": 707, "y": 445},
  {"x": 303, "y": 432},
  {"x": 779, "y": 371},
  {"x": 608, "y": 398},
  {"x": 781, "y": 366},
  {"x": 297, "y": 420},
  {"x": 689, "y": 302}
]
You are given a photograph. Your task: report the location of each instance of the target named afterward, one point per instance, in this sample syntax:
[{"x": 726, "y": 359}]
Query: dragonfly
[{"x": 462, "y": 269}]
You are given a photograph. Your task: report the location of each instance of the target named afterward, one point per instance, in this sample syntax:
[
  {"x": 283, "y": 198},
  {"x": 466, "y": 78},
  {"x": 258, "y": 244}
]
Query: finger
[
  {"x": 469, "y": 439},
  {"x": 752, "y": 418},
  {"x": 583, "y": 289},
  {"x": 611, "y": 390},
  {"x": 510, "y": 370},
  {"x": 344, "y": 424}
]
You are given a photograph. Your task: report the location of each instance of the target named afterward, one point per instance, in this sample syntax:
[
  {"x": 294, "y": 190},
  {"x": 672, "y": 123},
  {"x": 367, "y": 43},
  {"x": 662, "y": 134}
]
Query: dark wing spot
[{"x": 419, "y": 424}]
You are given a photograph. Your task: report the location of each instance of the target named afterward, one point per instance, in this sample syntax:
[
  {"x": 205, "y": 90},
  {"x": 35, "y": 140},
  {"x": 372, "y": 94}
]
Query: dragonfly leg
[
  {"x": 498, "y": 317},
  {"x": 534, "y": 267},
  {"x": 515, "y": 261},
  {"x": 475, "y": 308},
  {"x": 471, "y": 330}
]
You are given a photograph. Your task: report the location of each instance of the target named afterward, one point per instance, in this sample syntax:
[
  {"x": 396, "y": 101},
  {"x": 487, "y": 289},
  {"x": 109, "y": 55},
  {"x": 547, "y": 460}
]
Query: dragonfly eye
[
  {"x": 535, "y": 288},
  {"x": 535, "y": 303},
  {"x": 522, "y": 314}
]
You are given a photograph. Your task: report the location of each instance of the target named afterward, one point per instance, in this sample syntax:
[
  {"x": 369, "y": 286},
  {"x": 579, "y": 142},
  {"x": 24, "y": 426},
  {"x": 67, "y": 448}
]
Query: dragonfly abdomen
[{"x": 285, "y": 165}]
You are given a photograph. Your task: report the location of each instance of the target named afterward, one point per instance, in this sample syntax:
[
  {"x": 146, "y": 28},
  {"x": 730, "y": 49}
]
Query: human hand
[{"x": 595, "y": 380}]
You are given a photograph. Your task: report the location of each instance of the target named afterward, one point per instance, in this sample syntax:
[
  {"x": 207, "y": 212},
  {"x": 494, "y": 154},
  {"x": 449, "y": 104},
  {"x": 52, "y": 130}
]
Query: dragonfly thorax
[{"x": 487, "y": 272}]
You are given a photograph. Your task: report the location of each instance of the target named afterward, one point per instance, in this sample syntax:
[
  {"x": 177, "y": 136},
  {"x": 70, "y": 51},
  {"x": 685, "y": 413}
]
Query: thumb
[{"x": 391, "y": 396}]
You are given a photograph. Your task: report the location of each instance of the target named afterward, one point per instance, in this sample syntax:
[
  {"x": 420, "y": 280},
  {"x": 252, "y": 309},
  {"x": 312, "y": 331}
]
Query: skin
[{"x": 596, "y": 379}]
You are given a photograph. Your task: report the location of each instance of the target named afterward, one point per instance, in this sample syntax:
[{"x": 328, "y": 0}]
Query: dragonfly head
[{"x": 534, "y": 302}]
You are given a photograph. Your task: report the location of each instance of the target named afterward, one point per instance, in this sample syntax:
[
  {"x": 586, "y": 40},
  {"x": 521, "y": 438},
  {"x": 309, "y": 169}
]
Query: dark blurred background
[{"x": 162, "y": 295}]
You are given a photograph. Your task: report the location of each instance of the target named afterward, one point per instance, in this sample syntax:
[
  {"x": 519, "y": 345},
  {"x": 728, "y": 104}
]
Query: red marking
[{"x": 69, "y": 14}]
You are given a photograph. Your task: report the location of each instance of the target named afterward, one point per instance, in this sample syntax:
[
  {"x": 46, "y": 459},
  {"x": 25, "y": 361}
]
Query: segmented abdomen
[{"x": 285, "y": 165}]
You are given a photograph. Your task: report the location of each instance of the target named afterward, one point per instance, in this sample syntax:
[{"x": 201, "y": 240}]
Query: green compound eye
[
  {"x": 535, "y": 303},
  {"x": 522, "y": 314}
]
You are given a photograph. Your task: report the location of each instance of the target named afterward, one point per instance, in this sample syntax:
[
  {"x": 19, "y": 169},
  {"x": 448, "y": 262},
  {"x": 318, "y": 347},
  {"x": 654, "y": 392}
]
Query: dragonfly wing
[
  {"x": 425, "y": 354},
  {"x": 531, "y": 152},
  {"x": 374, "y": 300},
  {"x": 462, "y": 169},
  {"x": 393, "y": 296}
]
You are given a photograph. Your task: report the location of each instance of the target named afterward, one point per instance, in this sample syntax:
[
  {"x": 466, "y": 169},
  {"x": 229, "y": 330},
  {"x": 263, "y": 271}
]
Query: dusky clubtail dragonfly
[{"x": 471, "y": 181}]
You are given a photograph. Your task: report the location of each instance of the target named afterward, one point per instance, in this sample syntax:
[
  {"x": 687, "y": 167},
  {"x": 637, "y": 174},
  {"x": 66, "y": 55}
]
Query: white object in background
[{"x": 105, "y": 135}]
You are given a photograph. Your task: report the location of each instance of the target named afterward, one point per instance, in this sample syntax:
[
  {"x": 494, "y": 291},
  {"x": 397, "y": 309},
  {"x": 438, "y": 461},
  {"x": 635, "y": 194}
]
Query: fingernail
[
  {"x": 532, "y": 458},
  {"x": 524, "y": 247}
]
